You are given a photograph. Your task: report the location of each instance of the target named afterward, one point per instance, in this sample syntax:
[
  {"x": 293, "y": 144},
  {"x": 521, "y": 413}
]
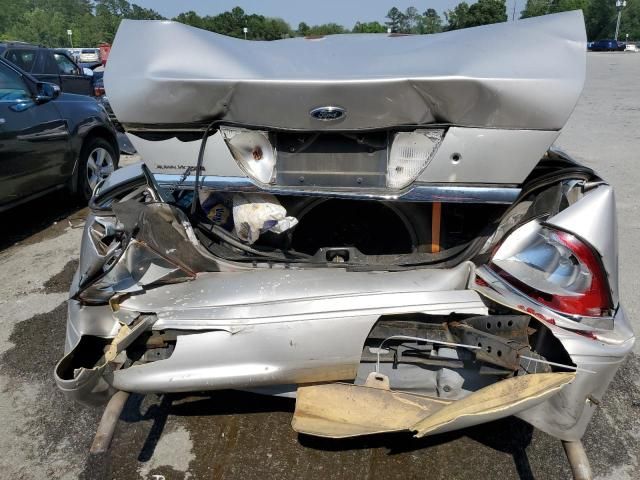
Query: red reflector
[{"x": 594, "y": 302}]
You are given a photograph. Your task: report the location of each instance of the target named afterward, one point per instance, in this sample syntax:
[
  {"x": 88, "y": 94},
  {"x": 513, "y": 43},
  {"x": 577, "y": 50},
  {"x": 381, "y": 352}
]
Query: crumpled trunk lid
[{"x": 518, "y": 75}]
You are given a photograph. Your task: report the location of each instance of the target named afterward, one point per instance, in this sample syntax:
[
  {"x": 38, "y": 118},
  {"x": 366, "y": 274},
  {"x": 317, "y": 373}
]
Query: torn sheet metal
[
  {"x": 263, "y": 296},
  {"x": 81, "y": 373}
]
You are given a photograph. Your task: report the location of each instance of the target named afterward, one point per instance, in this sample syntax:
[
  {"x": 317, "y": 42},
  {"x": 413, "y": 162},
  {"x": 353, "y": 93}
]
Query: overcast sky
[{"x": 344, "y": 12}]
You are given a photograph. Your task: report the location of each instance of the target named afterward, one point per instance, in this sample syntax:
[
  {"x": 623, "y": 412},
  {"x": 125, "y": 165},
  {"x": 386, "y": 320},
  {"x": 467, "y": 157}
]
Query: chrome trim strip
[{"x": 414, "y": 193}]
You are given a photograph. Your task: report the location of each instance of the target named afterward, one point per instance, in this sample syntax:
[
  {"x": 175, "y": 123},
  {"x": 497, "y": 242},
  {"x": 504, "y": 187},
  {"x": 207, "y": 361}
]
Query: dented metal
[{"x": 427, "y": 337}]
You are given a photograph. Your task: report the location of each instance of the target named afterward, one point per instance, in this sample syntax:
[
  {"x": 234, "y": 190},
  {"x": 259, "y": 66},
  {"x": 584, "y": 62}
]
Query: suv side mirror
[{"x": 46, "y": 92}]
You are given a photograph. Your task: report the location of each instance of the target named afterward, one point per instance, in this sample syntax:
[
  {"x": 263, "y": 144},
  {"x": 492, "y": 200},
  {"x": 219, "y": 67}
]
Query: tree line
[{"x": 94, "y": 21}]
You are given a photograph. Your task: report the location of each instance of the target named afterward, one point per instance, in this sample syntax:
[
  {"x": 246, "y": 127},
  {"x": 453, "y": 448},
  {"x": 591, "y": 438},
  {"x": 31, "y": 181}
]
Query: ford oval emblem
[{"x": 327, "y": 114}]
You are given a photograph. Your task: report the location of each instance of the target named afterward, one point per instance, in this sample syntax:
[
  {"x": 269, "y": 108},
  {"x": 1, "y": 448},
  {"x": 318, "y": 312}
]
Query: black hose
[
  {"x": 226, "y": 237},
  {"x": 203, "y": 145}
]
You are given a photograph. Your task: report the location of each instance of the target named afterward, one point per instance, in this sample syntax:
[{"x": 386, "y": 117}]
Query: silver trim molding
[{"x": 415, "y": 193}]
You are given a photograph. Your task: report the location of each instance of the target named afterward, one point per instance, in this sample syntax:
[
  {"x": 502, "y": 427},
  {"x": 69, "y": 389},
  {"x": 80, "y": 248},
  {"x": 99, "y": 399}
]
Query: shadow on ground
[{"x": 32, "y": 220}]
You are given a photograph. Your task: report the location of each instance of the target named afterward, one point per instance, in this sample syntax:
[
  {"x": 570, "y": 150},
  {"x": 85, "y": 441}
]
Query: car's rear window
[
  {"x": 23, "y": 58},
  {"x": 88, "y": 51}
]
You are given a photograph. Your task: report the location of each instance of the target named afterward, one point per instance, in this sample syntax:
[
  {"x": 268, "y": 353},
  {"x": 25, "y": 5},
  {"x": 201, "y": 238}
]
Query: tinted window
[
  {"x": 23, "y": 58},
  {"x": 65, "y": 65},
  {"x": 12, "y": 87},
  {"x": 89, "y": 50}
]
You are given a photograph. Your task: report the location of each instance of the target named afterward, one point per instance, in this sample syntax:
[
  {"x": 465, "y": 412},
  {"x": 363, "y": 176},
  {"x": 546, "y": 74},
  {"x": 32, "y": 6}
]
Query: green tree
[
  {"x": 327, "y": 29},
  {"x": 413, "y": 20},
  {"x": 600, "y": 19},
  {"x": 630, "y": 21},
  {"x": 303, "y": 29},
  {"x": 10, "y": 14},
  {"x": 140, "y": 13},
  {"x": 41, "y": 27},
  {"x": 368, "y": 27},
  {"x": 457, "y": 18},
  {"x": 397, "y": 22},
  {"x": 534, "y": 8},
  {"x": 190, "y": 18},
  {"x": 430, "y": 22},
  {"x": 109, "y": 13},
  {"x": 483, "y": 12}
]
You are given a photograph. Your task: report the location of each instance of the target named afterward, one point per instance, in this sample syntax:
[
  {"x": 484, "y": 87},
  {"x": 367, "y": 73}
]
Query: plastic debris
[
  {"x": 256, "y": 213},
  {"x": 218, "y": 208}
]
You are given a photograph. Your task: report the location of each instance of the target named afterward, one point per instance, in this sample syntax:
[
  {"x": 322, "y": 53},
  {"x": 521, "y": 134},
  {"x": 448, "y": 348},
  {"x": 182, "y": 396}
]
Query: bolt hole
[
  {"x": 499, "y": 324},
  {"x": 488, "y": 325},
  {"x": 499, "y": 353},
  {"x": 455, "y": 157},
  {"x": 479, "y": 344},
  {"x": 510, "y": 323},
  {"x": 489, "y": 348}
]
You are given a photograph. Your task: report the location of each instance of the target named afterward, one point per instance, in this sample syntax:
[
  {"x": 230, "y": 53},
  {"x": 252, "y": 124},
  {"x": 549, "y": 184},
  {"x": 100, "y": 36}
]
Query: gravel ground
[{"x": 236, "y": 435}]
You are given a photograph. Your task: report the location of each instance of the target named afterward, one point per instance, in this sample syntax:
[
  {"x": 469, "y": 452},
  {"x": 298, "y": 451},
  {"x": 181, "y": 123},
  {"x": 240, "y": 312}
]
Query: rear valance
[{"x": 518, "y": 75}]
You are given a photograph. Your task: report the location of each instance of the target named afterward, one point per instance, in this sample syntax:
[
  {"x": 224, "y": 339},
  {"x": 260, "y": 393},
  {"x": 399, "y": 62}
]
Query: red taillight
[
  {"x": 555, "y": 269},
  {"x": 595, "y": 300},
  {"x": 98, "y": 91}
]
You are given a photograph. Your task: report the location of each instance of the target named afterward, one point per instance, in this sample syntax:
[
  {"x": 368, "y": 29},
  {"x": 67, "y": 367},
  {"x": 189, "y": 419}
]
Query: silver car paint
[
  {"x": 567, "y": 414},
  {"x": 594, "y": 219},
  {"x": 515, "y": 97},
  {"x": 284, "y": 327},
  {"x": 496, "y": 76},
  {"x": 474, "y": 156},
  {"x": 487, "y": 155}
]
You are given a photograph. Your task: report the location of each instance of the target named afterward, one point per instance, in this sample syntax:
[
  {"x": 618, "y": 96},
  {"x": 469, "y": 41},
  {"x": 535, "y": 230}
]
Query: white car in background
[
  {"x": 89, "y": 55},
  {"x": 631, "y": 47}
]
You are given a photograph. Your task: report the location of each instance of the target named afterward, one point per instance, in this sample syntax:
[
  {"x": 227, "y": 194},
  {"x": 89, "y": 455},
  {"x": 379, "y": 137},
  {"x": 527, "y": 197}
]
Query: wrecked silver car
[{"x": 373, "y": 224}]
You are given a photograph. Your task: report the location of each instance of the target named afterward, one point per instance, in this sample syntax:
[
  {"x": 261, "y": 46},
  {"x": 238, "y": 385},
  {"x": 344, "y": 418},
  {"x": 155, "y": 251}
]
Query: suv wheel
[{"x": 97, "y": 161}]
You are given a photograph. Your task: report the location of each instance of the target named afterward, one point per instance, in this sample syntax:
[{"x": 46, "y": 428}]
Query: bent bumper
[{"x": 257, "y": 329}]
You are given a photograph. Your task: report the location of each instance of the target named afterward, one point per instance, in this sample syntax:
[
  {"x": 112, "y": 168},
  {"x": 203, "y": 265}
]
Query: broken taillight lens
[
  {"x": 253, "y": 152},
  {"x": 410, "y": 154},
  {"x": 554, "y": 268}
]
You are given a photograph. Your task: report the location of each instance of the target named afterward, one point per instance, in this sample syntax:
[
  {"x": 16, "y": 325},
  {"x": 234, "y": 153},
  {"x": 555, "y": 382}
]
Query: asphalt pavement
[{"x": 232, "y": 435}]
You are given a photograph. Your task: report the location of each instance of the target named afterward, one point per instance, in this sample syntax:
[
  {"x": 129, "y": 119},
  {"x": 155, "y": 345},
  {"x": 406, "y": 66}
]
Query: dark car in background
[
  {"x": 50, "y": 140},
  {"x": 606, "y": 46},
  {"x": 48, "y": 65},
  {"x": 126, "y": 146}
]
